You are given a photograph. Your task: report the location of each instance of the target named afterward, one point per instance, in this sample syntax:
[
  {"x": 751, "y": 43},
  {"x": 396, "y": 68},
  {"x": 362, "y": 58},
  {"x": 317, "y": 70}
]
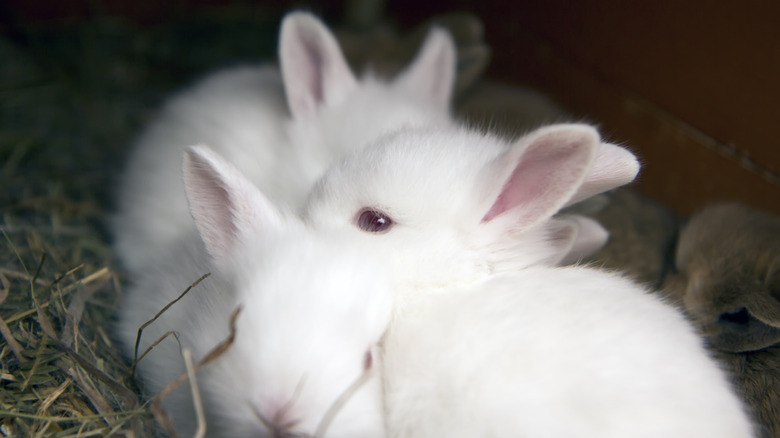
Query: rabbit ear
[
  {"x": 764, "y": 304},
  {"x": 762, "y": 328},
  {"x": 541, "y": 172},
  {"x": 432, "y": 73},
  {"x": 764, "y": 310},
  {"x": 752, "y": 321},
  {"x": 614, "y": 166},
  {"x": 751, "y": 328},
  {"x": 224, "y": 204},
  {"x": 313, "y": 67},
  {"x": 575, "y": 237}
]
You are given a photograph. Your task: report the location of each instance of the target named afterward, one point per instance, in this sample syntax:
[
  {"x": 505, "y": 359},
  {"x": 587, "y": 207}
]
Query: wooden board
[{"x": 693, "y": 87}]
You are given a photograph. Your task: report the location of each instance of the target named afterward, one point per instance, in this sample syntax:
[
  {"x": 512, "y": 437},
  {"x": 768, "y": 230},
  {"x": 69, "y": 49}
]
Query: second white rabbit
[{"x": 281, "y": 127}]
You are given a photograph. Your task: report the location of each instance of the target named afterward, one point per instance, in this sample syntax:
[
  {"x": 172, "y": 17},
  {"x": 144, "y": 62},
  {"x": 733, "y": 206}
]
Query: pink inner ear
[
  {"x": 210, "y": 205},
  {"x": 527, "y": 181},
  {"x": 548, "y": 173}
]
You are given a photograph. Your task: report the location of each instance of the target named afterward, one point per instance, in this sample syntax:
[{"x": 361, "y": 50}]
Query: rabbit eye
[
  {"x": 373, "y": 221},
  {"x": 368, "y": 360}
]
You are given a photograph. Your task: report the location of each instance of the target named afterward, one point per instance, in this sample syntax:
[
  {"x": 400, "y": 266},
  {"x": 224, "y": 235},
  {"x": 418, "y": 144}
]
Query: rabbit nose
[{"x": 279, "y": 422}]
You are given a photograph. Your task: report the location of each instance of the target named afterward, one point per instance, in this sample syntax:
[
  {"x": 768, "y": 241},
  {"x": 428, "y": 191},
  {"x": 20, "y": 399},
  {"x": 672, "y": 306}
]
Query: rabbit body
[
  {"x": 756, "y": 377},
  {"x": 727, "y": 281},
  {"x": 552, "y": 352},
  {"x": 238, "y": 112},
  {"x": 281, "y": 127},
  {"x": 310, "y": 317}
]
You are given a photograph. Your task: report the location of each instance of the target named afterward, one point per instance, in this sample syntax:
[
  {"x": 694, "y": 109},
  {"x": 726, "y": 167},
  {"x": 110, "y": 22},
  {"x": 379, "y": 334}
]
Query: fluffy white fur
[
  {"x": 552, "y": 352},
  {"x": 281, "y": 128},
  {"x": 467, "y": 205},
  {"x": 309, "y": 315},
  {"x": 487, "y": 338}
]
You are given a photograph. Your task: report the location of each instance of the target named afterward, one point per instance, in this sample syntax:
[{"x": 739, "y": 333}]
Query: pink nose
[{"x": 279, "y": 420}]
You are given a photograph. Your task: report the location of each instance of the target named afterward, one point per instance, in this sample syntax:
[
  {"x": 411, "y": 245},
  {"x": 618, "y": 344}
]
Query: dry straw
[{"x": 72, "y": 97}]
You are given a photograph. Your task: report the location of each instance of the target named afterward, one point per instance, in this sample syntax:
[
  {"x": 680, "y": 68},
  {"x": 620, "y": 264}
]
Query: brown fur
[
  {"x": 756, "y": 377},
  {"x": 727, "y": 279},
  {"x": 641, "y": 236}
]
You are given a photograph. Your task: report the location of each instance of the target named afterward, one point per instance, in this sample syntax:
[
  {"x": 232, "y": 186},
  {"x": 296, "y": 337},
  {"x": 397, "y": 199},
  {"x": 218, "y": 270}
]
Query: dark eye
[
  {"x": 368, "y": 361},
  {"x": 373, "y": 221}
]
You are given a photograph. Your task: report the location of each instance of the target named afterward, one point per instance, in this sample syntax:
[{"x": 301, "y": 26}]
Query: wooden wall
[{"x": 693, "y": 87}]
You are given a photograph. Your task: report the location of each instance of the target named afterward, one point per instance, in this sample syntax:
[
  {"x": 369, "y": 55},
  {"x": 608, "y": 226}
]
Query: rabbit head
[
  {"x": 451, "y": 205},
  {"x": 728, "y": 276},
  {"x": 313, "y": 309},
  {"x": 328, "y": 103}
]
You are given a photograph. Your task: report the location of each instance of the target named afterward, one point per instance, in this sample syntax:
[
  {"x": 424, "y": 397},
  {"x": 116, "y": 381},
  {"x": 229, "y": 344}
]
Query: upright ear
[
  {"x": 432, "y": 73},
  {"x": 314, "y": 70},
  {"x": 574, "y": 237},
  {"x": 540, "y": 173},
  {"x": 225, "y": 205},
  {"x": 614, "y": 166}
]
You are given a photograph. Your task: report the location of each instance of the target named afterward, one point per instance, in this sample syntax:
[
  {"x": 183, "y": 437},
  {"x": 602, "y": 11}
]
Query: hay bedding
[{"x": 72, "y": 96}]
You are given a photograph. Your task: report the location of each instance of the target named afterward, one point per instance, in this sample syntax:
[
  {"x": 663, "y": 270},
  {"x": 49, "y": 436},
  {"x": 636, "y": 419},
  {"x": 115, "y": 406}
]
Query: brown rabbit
[
  {"x": 727, "y": 279},
  {"x": 641, "y": 234}
]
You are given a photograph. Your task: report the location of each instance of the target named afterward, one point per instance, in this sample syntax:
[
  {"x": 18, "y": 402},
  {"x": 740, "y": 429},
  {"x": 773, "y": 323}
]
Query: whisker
[
  {"x": 293, "y": 399},
  {"x": 261, "y": 417},
  {"x": 268, "y": 424},
  {"x": 339, "y": 403}
]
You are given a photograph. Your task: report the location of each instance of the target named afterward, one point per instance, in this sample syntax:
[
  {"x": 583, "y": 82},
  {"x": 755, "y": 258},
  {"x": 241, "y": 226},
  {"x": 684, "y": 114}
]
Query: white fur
[
  {"x": 281, "y": 129},
  {"x": 309, "y": 314},
  {"x": 552, "y": 352},
  {"x": 467, "y": 205}
]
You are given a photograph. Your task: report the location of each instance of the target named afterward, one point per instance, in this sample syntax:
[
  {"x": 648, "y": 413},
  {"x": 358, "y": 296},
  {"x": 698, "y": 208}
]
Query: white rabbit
[
  {"x": 552, "y": 352},
  {"x": 312, "y": 311},
  {"x": 485, "y": 330},
  {"x": 282, "y": 127},
  {"x": 451, "y": 205}
]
